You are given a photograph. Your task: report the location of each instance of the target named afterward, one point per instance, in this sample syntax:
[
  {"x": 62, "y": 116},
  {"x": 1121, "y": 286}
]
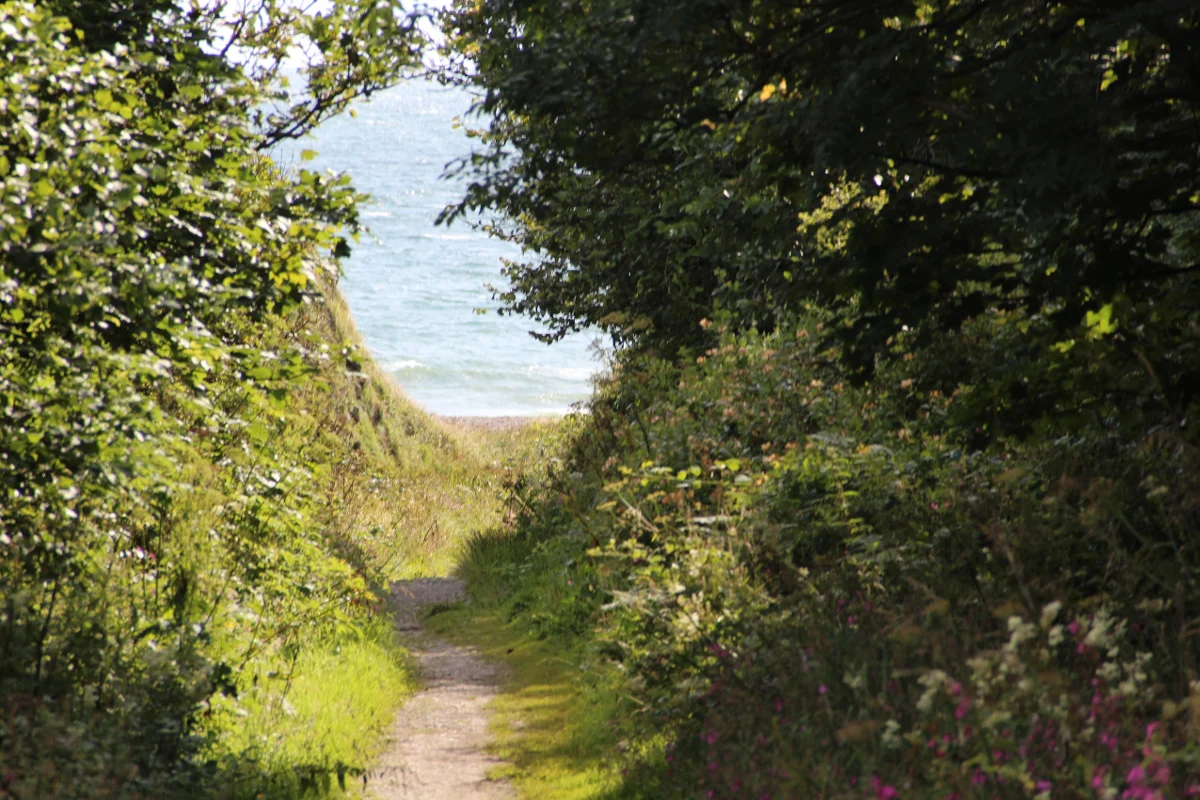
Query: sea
[{"x": 419, "y": 292}]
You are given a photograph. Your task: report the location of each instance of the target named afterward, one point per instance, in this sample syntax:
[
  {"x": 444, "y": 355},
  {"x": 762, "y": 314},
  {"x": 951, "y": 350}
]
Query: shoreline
[{"x": 503, "y": 423}]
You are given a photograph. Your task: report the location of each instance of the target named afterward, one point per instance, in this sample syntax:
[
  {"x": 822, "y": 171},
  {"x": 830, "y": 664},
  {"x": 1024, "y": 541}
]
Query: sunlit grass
[
  {"x": 311, "y": 732},
  {"x": 406, "y": 491}
]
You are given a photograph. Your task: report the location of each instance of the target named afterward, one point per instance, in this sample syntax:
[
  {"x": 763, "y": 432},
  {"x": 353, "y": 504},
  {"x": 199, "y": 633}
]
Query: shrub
[{"x": 822, "y": 590}]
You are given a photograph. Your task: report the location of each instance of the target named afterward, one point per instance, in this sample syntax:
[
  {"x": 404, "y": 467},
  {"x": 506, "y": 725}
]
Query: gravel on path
[{"x": 437, "y": 744}]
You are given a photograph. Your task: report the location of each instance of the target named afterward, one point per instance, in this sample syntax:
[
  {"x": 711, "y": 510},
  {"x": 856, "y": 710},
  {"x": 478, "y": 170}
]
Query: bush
[{"x": 822, "y": 590}]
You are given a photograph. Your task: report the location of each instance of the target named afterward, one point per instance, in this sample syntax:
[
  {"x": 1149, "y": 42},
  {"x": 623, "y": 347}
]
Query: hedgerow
[
  {"x": 892, "y": 491},
  {"x": 813, "y": 589}
]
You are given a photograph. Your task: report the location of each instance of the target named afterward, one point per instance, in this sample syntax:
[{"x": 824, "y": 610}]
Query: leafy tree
[
  {"x": 850, "y": 247},
  {"x": 911, "y": 165}
]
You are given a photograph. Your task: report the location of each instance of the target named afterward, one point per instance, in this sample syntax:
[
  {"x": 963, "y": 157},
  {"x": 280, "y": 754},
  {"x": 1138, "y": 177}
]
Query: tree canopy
[
  {"x": 911, "y": 165},
  {"x": 897, "y": 467}
]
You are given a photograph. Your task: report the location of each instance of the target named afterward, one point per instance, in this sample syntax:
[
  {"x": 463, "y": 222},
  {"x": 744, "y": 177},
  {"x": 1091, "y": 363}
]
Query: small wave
[
  {"x": 405, "y": 363},
  {"x": 449, "y": 237},
  {"x": 567, "y": 373},
  {"x": 371, "y": 214}
]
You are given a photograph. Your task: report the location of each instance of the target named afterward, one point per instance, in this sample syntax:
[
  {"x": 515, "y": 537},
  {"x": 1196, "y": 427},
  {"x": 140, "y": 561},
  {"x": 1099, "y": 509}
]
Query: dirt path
[{"x": 436, "y": 748}]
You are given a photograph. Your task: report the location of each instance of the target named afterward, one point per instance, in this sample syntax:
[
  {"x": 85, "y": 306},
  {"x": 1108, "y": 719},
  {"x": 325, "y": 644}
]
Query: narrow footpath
[{"x": 437, "y": 747}]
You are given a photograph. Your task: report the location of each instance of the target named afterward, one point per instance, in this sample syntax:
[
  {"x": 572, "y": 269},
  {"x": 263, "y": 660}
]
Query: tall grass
[
  {"x": 413, "y": 488},
  {"x": 314, "y": 730}
]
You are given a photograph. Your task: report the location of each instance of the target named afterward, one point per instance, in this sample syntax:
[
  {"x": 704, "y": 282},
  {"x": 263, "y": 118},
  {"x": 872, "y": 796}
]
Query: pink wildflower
[
  {"x": 963, "y": 707},
  {"x": 883, "y": 791}
]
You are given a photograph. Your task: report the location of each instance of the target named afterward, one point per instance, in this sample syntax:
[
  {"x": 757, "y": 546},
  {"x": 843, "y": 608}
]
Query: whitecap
[
  {"x": 567, "y": 373},
  {"x": 405, "y": 363},
  {"x": 449, "y": 237}
]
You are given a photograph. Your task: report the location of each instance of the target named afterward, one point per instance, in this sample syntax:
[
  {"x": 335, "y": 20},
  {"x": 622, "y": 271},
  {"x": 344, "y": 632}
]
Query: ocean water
[{"x": 413, "y": 287}]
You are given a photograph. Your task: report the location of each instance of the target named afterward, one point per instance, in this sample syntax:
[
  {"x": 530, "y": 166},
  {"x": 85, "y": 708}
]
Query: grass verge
[{"x": 311, "y": 730}]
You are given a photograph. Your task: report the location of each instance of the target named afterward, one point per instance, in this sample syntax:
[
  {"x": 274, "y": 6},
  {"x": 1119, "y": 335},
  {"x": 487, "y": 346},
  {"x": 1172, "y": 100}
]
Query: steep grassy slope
[{"x": 440, "y": 483}]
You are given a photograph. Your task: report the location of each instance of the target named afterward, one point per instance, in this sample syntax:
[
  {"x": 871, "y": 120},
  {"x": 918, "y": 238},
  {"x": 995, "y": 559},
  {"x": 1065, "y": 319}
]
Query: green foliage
[
  {"x": 164, "y": 539},
  {"x": 892, "y": 492},
  {"x": 815, "y": 589},
  {"x": 910, "y": 165}
]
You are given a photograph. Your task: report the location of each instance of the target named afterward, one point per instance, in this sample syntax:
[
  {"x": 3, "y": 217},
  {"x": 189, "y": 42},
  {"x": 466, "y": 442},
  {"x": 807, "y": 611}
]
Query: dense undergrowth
[
  {"x": 893, "y": 491},
  {"x": 815, "y": 590}
]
